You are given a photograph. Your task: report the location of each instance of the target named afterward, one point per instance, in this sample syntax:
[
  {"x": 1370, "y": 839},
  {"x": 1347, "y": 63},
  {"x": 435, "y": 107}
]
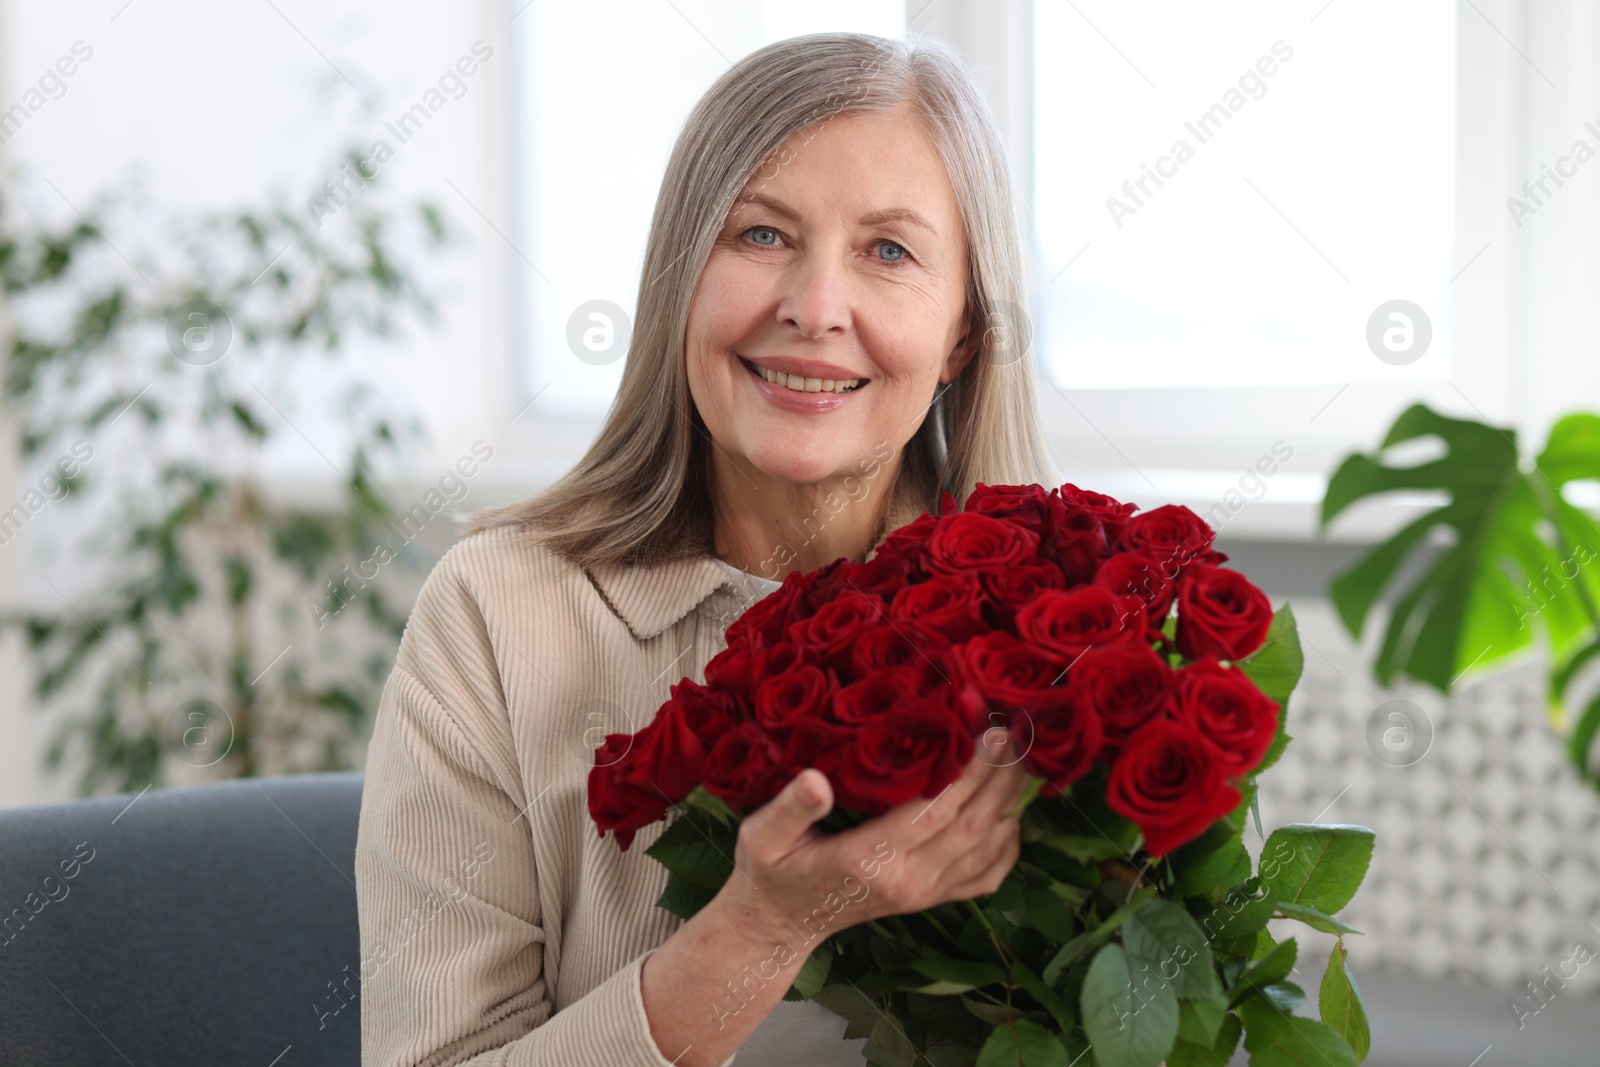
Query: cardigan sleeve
[{"x": 452, "y": 937}]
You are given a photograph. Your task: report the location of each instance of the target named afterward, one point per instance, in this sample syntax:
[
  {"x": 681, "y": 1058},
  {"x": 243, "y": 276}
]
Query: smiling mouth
[{"x": 795, "y": 383}]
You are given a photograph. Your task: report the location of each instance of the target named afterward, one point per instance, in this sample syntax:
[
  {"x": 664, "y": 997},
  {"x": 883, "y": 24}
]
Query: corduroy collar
[{"x": 651, "y": 597}]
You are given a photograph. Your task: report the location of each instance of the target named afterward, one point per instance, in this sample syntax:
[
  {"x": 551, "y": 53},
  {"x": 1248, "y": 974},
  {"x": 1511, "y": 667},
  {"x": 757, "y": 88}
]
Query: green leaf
[
  {"x": 1216, "y": 859},
  {"x": 1273, "y": 967},
  {"x": 684, "y": 898},
  {"x": 1275, "y": 1039},
  {"x": 849, "y": 1003},
  {"x": 1090, "y": 940},
  {"x": 813, "y": 972},
  {"x": 1320, "y": 866},
  {"x": 247, "y": 421},
  {"x": 1285, "y": 996},
  {"x": 1315, "y": 919},
  {"x": 1199, "y": 1021},
  {"x": 1275, "y": 667},
  {"x": 1244, "y": 910},
  {"x": 1127, "y": 1024},
  {"x": 1090, "y": 849},
  {"x": 1191, "y": 1054},
  {"x": 1515, "y": 561},
  {"x": 1044, "y": 994},
  {"x": 1339, "y": 1003},
  {"x": 1050, "y": 912},
  {"x": 712, "y": 805},
  {"x": 1581, "y": 734},
  {"x": 888, "y": 1045},
  {"x": 956, "y": 976},
  {"x": 1161, "y": 937},
  {"x": 687, "y": 849},
  {"x": 1022, "y": 1044}
]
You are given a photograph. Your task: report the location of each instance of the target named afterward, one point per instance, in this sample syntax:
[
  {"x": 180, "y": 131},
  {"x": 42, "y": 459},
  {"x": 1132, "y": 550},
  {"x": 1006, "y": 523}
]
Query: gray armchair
[{"x": 205, "y": 925}]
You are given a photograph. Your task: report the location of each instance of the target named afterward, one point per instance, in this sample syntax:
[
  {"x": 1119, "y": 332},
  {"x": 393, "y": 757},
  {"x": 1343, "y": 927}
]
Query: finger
[
  {"x": 781, "y": 823},
  {"x": 919, "y": 819},
  {"x": 981, "y": 870},
  {"x": 983, "y": 811}
]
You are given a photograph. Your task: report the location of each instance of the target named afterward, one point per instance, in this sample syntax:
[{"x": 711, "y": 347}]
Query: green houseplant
[
  {"x": 180, "y": 634},
  {"x": 1514, "y": 571}
]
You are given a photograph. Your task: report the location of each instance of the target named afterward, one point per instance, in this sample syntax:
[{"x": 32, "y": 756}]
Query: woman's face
[{"x": 843, "y": 258}]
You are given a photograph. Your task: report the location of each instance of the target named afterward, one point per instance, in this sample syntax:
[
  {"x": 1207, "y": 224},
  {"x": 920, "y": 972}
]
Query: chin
[{"x": 786, "y": 464}]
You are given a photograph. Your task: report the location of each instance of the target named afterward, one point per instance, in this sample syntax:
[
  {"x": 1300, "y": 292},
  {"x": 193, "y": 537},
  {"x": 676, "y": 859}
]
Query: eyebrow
[{"x": 872, "y": 218}]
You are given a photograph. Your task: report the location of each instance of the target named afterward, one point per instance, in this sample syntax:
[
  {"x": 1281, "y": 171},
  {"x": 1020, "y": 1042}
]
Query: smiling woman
[{"x": 833, "y": 245}]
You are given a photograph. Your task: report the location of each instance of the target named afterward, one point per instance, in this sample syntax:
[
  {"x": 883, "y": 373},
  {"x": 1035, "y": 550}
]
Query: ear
[{"x": 965, "y": 348}]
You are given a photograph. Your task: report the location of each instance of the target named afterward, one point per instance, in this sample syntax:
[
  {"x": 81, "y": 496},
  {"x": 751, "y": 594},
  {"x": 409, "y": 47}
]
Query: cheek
[{"x": 730, "y": 294}]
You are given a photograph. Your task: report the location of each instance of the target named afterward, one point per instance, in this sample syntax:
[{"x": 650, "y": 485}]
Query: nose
[{"x": 816, "y": 296}]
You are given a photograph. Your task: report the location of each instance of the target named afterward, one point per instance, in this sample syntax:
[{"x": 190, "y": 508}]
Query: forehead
[{"x": 869, "y": 165}]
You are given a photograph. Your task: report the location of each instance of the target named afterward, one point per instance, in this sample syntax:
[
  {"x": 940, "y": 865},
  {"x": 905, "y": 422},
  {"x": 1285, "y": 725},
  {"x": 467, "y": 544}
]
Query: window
[{"x": 1225, "y": 195}]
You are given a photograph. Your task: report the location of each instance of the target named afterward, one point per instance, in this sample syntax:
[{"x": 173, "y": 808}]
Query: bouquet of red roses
[{"x": 1146, "y": 684}]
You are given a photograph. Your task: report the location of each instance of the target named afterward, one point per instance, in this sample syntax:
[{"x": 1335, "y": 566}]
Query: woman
[{"x": 810, "y": 367}]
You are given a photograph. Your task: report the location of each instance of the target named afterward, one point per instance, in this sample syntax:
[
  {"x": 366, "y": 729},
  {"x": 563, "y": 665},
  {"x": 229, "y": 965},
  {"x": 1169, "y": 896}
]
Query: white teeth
[{"x": 807, "y": 385}]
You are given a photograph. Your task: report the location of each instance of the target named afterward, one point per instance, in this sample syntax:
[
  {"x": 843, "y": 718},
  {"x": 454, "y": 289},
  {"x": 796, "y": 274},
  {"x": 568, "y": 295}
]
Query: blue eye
[
  {"x": 762, "y": 229},
  {"x": 898, "y": 259}
]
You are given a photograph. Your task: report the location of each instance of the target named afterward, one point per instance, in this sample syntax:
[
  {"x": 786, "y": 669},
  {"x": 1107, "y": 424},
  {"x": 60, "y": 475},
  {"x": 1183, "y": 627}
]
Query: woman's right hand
[{"x": 959, "y": 845}]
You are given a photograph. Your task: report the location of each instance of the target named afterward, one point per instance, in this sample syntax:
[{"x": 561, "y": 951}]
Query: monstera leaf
[{"x": 1515, "y": 558}]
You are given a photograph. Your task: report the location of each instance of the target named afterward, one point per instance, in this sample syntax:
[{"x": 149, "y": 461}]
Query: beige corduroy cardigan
[{"x": 496, "y": 925}]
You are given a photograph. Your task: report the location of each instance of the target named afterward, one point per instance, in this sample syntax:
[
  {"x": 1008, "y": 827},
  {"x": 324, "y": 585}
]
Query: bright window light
[{"x": 1226, "y": 194}]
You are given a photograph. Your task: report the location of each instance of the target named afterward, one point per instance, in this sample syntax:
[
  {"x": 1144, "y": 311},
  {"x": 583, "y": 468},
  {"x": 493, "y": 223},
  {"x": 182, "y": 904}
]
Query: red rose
[
  {"x": 785, "y": 699},
  {"x": 668, "y": 754},
  {"x": 745, "y": 768},
  {"x": 913, "y": 751},
  {"x": 822, "y": 585},
  {"x": 1063, "y": 735},
  {"x": 1077, "y": 544},
  {"x": 967, "y": 542},
  {"x": 830, "y": 633},
  {"x": 710, "y": 710},
  {"x": 908, "y": 544},
  {"x": 1113, "y": 514},
  {"x": 816, "y": 743},
  {"x": 1173, "y": 536},
  {"x": 1128, "y": 684},
  {"x": 1167, "y": 780},
  {"x": 876, "y": 694},
  {"x": 1220, "y": 613},
  {"x": 1065, "y": 622},
  {"x": 1012, "y": 588},
  {"x": 636, "y": 778},
  {"x": 1227, "y": 709},
  {"x": 1028, "y": 506},
  {"x": 730, "y": 670},
  {"x": 773, "y": 660},
  {"x": 1006, "y": 671},
  {"x": 891, "y": 645},
  {"x": 943, "y": 672},
  {"x": 616, "y": 803},
  {"x": 764, "y": 621},
  {"x": 1137, "y": 575},
  {"x": 948, "y": 604},
  {"x": 882, "y": 576}
]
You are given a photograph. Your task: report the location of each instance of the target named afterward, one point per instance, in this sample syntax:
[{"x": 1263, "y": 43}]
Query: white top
[{"x": 757, "y": 585}]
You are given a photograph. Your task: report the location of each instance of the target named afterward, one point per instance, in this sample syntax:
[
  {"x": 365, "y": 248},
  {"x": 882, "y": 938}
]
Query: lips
[{"x": 799, "y": 401}]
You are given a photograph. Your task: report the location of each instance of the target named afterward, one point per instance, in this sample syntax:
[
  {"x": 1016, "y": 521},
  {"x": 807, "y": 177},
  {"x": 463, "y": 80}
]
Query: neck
[{"x": 770, "y": 528}]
